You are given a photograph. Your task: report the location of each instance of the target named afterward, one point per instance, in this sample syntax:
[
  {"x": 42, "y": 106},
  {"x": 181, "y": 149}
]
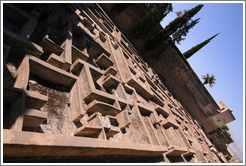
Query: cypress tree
[
  {"x": 180, "y": 13},
  {"x": 156, "y": 13},
  {"x": 182, "y": 32},
  {"x": 119, "y": 7},
  {"x": 174, "y": 25},
  {"x": 194, "y": 49},
  {"x": 151, "y": 6}
]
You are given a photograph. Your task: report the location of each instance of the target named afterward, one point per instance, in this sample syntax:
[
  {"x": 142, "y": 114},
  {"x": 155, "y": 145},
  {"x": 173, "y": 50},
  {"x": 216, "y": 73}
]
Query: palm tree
[{"x": 210, "y": 80}]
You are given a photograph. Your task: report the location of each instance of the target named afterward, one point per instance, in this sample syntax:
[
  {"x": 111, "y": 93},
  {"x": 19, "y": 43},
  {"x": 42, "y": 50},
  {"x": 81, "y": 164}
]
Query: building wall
[{"x": 74, "y": 86}]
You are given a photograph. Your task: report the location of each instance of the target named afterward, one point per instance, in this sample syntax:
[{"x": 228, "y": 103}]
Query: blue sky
[{"x": 223, "y": 56}]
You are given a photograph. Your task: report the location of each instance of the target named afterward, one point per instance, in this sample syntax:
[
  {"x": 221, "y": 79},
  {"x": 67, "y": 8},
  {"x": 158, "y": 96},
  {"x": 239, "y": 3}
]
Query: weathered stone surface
[{"x": 79, "y": 88}]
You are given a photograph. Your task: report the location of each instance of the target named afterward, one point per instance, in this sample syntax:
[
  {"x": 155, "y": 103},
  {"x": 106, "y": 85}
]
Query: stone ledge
[{"x": 37, "y": 144}]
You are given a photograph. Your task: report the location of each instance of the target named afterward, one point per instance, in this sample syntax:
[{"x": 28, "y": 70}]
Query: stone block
[
  {"x": 104, "y": 61},
  {"x": 103, "y": 108},
  {"x": 123, "y": 119},
  {"x": 110, "y": 82},
  {"x": 78, "y": 54},
  {"x": 112, "y": 131},
  {"x": 88, "y": 131},
  {"x": 50, "y": 46},
  {"x": 33, "y": 118},
  {"x": 111, "y": 70},
  {"x": 162, "y": 111},
  {"x": 35, "y": 100},
  {"x": 51, "y": 73},
  {"x": 58, "y": 62}
]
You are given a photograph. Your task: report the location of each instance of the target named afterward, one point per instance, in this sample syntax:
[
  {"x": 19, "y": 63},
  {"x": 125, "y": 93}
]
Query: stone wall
[{"x": 74, "y": 87}]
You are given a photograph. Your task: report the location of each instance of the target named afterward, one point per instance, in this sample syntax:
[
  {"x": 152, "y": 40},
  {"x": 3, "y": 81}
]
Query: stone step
[
  {"x": 104, "y": 61},
  {"x": 33, "y": 118},
  {"x": 103, "y": 108}
]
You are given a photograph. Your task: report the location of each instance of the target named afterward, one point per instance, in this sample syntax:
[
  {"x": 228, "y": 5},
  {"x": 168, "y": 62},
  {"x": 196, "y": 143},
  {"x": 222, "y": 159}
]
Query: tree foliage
[
  {"x": 224, "y": 129},
  {"x": 179, "y": 22},
  {"x": 119, "y": 7},
  {"x": 196, "y": 48},
  {"x": 151, "y": 6},
  {"x": 172, "y": 27},
  {"x": 157, "y": 12},
  {"x": 210, "y": 80},
  {"x": 183, "y": 31},
  {"x": 180, "y": 13}
]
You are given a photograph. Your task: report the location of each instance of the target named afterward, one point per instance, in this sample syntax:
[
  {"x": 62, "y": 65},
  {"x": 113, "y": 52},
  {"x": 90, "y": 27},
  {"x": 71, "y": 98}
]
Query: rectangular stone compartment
[
  {"x": 33, "y": 118},
  {"x": 111, "y": 70},
  {"x": 50, "y": 46},
  {"x": 78, "y": 54},
  {"x": 88, "y": 131},
  {"x": 110, "y": 82},
  {"x": 104, "y": 61},
  {"x": 103, "y": 108}
]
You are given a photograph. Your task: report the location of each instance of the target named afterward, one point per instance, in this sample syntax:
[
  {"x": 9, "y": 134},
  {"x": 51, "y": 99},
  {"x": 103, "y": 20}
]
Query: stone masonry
[{"x": 76, "y": 90}]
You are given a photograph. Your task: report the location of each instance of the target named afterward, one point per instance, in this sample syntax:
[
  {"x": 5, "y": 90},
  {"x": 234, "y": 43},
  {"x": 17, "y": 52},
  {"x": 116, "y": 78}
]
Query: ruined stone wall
[{"x": 74, "y": 87}]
